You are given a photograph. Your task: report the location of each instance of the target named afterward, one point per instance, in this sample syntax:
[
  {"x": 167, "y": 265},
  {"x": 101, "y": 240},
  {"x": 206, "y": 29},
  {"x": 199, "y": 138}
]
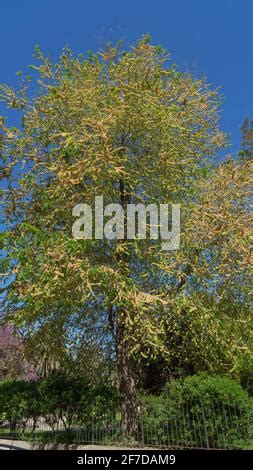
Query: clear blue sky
[{"x": 211, "y": 37}]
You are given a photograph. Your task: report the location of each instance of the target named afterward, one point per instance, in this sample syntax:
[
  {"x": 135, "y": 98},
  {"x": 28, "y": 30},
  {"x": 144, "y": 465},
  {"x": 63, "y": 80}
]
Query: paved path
[{"x": 9, "y": 444}]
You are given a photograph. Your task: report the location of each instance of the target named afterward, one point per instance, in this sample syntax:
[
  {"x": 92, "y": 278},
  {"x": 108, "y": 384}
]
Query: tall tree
[{"x": 129, "y": 126}]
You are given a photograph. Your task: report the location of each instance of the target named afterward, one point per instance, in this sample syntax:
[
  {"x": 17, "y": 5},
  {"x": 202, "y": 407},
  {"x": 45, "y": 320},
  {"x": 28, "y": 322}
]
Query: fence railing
[{"x": 191, "y": 425}]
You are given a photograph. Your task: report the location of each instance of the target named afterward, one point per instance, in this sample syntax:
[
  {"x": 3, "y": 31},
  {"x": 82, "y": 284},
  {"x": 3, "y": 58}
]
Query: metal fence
[{"x": 192, "y": 425}]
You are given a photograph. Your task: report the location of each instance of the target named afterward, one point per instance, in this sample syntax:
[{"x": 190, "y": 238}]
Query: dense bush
[
  {"x": 59, "y": 399},
  {"x": 19, "y": 402},
  {"x": 198, "y": 411},
  {"x": 201, "y": 411}
]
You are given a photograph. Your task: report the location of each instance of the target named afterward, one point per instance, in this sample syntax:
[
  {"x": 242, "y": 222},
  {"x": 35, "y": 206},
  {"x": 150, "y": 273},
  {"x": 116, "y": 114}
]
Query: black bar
[{"x": 113, "y": 458}]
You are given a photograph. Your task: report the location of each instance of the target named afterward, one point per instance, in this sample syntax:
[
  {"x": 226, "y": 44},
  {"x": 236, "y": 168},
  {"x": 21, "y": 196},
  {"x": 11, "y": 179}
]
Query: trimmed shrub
[
  {"x": 199, "y": 411},
  {"x": 19, "y": 402},
  {"x": 61, "y": 401}
]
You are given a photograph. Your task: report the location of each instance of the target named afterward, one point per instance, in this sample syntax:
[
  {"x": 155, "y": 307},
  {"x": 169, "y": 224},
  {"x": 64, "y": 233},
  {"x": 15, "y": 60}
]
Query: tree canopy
[{"x": 131, "y": 127}]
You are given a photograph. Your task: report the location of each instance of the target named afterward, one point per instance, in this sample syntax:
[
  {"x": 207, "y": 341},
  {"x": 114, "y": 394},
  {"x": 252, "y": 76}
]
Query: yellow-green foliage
[{"x": 121, "y": 118}]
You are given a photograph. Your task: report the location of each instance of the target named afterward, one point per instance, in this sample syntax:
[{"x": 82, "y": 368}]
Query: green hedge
[
  {"x": 56, "y": 398},
  {"x": 199, "y": 411}
]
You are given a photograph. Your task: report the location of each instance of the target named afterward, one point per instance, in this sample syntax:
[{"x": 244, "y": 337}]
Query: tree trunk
[
  {"x": 125, "y": 364},
  {"x": 127, "y": 383}
]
